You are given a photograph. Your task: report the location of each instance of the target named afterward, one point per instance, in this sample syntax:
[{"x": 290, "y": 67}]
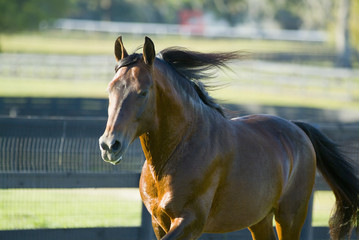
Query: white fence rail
[
  {"x": 268, "y": 77},
  {"x": 190, "y": 30}
]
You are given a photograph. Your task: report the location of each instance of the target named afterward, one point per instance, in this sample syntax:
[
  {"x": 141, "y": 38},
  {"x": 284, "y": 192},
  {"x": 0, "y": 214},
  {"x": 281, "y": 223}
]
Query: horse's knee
[
  {"x": 289, "y": 225},
  {"x": 264, "y": 229},
  {"x": 157, "y": 229},
  {"x": 189, "y": 226}
]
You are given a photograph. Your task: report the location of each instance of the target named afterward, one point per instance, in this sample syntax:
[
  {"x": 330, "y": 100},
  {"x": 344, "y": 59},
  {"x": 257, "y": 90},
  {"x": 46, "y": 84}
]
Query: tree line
[
  {"x": 17, "y": 15},
  {"x": 328, "y": 15}
]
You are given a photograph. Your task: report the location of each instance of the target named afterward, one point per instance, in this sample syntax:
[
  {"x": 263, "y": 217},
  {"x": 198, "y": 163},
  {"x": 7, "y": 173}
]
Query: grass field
[
  {"x": 57, "y": 42},
  {"x": 254, "y": 85},
  {"x": 246, "y": 85},
  {"x": 22, "y": 87},
  {"x": 69, "y": 208},
  {"x": 75, "y": 208}
]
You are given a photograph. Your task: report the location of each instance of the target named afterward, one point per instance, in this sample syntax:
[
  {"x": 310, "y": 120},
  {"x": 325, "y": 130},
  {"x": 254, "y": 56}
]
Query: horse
[{"x": 206, "y": 173}]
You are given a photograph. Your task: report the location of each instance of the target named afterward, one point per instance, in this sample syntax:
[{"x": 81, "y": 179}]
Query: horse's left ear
[{"x": 149, "y": 52}]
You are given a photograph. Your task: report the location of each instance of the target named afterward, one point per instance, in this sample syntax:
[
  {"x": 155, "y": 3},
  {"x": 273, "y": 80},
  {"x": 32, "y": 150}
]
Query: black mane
[{"x": 195, "y": 66}]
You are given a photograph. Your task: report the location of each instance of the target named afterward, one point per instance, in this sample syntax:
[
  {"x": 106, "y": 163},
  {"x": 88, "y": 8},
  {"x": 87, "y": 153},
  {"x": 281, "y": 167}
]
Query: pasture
[
  {"x": 248, "y": 82},
  {"x": 80, "y": 208},
  {"x": 73, "y": 64},
  {"x": 76, "y": 43}
]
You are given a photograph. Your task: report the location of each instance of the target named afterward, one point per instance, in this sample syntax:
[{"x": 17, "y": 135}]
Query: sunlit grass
[
  {"x": 290, "y": 98},
  {"x": 69, "y": 208},
  {"x": 266, "y": 91},
  {"x": 322, "y": 207},
  {"x": 73, "y": 208},
  {"x": 57, "y": 42},
  {"x": 14, "y": 87}
]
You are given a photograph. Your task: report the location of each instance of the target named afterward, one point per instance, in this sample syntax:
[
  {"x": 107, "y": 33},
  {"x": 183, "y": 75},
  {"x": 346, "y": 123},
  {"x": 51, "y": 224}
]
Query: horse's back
[{"x": 270, "y": 128}]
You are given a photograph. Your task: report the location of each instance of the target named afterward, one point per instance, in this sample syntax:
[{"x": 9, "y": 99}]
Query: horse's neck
[
  {"x": 173, "y": 123},
  {"x": 160, "y": 145}
]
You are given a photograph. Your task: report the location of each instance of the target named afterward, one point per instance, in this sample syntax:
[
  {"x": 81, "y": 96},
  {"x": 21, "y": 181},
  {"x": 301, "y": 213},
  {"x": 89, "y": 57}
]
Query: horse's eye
[{"x": 143, "y": 93}]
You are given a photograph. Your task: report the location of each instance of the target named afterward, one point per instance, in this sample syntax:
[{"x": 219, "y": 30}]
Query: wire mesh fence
[
  {"x": 63, "y": 153},
  {"x": 58, "y": 145}
]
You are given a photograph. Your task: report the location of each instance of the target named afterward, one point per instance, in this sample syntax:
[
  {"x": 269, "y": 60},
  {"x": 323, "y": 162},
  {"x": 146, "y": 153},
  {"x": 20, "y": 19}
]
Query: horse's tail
[{"x": 340, "y": 174}]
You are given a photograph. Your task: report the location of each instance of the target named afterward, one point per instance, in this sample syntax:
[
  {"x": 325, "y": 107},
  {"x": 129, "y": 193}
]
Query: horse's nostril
[
  {"x": 104, "y": 146},
  {"x": 116, "y": 146}
]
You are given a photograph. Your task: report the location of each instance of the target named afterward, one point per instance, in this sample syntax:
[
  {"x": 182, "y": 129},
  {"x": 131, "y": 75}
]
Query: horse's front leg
[
  {"x": 189, "y": 226},
  {"x": 158, "y": 230}
]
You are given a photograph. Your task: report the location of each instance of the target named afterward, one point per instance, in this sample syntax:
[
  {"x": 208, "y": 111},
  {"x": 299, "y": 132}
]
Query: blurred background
[{"x": 56, "y": 59}]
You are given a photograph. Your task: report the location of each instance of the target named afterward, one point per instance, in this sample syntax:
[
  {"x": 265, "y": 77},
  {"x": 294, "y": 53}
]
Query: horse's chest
[
  {"x": 157, "y": 204},
  {"x": 149, "y": 193}
]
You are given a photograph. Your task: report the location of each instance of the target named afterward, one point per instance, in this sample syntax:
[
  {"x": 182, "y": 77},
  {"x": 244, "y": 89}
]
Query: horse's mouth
[
  {"x": 116, "y": 161},
  {"x": 113, "y": 158}
]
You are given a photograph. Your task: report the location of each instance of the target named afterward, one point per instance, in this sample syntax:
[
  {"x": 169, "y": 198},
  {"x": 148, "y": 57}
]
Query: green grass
[
  {"x": 323, "y": 204},
  {"x": 262, "y": 92},
  {"x": 57, "y": 42},
  {"x": 289, "y": 98},
  {"x": 293, "y": 97},
  {"x": 75, "y": 208},
  {"x": 20, "y": 87},
  {"x": 69, "y": 208}
]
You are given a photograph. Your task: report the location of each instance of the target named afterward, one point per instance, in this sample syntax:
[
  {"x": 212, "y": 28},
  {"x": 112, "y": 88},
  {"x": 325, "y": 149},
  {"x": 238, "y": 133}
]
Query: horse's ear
[
  {"x": 149, "y": 52},
  {"x": 120, "y": 51}
]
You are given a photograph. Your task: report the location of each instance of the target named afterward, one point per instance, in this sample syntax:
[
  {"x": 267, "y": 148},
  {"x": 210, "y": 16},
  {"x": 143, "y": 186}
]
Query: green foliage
[
  {"x": 17, "y": 15},
  {"x": 233, "y": 11},
  {"x": 288, "y": 19},
  {"x": 125, "y": 10},
  {"x": 354, "y": 24}
]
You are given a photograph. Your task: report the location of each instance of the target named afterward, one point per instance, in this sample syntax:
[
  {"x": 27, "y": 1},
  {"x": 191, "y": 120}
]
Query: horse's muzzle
[{"x": 111, "y": 149}]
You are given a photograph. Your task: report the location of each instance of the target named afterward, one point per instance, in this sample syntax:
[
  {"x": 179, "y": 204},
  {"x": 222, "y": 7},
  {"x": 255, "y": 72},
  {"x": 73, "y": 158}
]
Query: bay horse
[{"x": 207, "y": 173}]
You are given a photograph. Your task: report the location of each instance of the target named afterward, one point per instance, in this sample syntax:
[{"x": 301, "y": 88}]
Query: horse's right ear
[
  {"x": 149, "y": 53},
  {"x": 120, "y": 51}
]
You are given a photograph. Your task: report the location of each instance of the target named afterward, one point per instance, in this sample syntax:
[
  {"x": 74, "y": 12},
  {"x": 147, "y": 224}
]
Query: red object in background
[{"x": 191, "y": 22}]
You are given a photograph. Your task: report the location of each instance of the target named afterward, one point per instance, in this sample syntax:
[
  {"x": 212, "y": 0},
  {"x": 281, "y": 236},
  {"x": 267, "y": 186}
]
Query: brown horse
[{"x": 206, "y": 173}]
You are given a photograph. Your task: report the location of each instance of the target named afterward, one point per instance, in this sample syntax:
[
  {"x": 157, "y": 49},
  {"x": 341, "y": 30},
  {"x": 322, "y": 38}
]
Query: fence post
[
  {"x": 307, "y": 230},
  {"x": 146, "y": 231}
]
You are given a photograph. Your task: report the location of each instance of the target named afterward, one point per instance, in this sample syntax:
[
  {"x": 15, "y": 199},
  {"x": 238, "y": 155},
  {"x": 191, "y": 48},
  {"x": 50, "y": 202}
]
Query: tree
[
  {"x": 233, "y": 11},
  {"x": 17, "y": 15},
  {"x": 343, "y": 35},
  {"x": 354, "y": 26}
]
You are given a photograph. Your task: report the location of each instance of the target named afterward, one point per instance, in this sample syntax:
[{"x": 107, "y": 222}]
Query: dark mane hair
[{"x": 195, "y": 66}]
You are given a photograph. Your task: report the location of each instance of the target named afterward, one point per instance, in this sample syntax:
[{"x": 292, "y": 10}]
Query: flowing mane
[{"x": 195, "y": 66}]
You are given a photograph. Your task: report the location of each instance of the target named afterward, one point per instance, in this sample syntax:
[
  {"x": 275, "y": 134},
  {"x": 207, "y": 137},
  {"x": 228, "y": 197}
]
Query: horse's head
[{"x": 131, "y": 101}]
